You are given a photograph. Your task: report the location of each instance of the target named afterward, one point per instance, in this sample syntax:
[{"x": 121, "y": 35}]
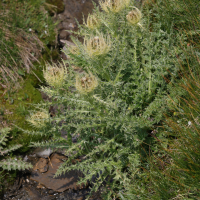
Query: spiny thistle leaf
[
  {"x": 13, "y": 164},
  {"x": 3, "y": 135},
  {"x": 10, "y": 163},
  {"x": 9, "y": 149}
]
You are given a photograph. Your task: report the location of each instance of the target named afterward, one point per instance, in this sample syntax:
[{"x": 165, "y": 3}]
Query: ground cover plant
[
  {"x": 114, "y": 105},
  {"x": 10, "y": 163}
]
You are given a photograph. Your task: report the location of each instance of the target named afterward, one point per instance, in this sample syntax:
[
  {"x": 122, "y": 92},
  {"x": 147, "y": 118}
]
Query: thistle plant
[
  {"x": 38, "y": 119},
  {"x": 55, "y": 75},
  {"x": 97, "y": 45},
  {"x": 112, "y": 121},
  {"x": 92, "y": 22},
  {"x": 86, "y": 83},
  {"x": 134, "y": 16},
  {"x": 10, "y": 163},
  {"x": 114, "y": 5}
]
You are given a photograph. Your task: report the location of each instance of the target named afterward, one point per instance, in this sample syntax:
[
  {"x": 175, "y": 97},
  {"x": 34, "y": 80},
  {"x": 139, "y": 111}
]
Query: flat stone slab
[
  {"x": 41, "y": 165},
  {"x": 59, "y": 184}
]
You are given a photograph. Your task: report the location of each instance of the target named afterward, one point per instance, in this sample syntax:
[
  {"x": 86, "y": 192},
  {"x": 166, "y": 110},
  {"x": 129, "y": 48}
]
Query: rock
[
  {"x": 64, "y": 17},
  {"x": 59, "y": 184},
  {"x": 40, "y": 186},
  {"x": 63, "y": 56},
  {"x": 60, "y": 26},
  {"x": 51, "y": 192},
  {"x": 25, "y": 158},
  {"x": 80, "y": 8},
  {"x": 33, "y": 193},
  {"x": 64, "y": 34},
  {"x": 69, "y": 25},
  {"x": 44, "y": 153},
  {"x": 68, "y": 43},
  {"x": 41, "y": 165}
]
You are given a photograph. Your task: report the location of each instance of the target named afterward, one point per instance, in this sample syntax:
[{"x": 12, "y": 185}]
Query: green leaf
[{"x": 21, "y": 72}]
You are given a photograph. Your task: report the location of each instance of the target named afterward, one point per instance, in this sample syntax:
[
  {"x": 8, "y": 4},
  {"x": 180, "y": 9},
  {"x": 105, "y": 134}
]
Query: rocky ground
[{"x": 39, "y": 184}]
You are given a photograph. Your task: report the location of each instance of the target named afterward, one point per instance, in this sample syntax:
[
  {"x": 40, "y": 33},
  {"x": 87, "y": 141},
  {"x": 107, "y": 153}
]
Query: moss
[
  {"x": 58, "y": 3},
  {"x": 51, "y": 39},
  {"x": 16, "y": 105},
  {"x": 55, "y": 54},
  {"x": 36, "y": 77},
  {"x": 49, "y": 55}
]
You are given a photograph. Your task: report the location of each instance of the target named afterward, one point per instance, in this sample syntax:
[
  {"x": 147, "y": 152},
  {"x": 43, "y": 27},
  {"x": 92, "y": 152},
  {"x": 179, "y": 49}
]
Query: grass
[
  {"x": 172, "y": 169},
  {"x": 25, "y": 30}
]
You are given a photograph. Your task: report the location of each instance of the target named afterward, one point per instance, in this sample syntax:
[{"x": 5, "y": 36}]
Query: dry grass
[{"x": 29, "y": 49}]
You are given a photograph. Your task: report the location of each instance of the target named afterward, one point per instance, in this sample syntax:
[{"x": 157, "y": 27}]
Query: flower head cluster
[
  {"x": 134, "y": 16},
  {"x": 114, "y": 5},
  {"x": 97, "y": 45},
  {"x": 86, "y": 83},
  {"x": 92, "y": 22},
  {"x": 39, "y": 119},
  {"x": 55, "y": 75}
]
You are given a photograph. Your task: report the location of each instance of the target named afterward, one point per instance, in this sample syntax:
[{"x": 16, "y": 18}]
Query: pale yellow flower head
[
  {"x": 134, "y": 16},
  {"x": 86, "y": 83},
  {"x": 114, "y": 5},
  {"x": 97, "y": 45},
  {"x": 55, "y": 75},
  {"x": 39, "y": 119},
  {"x": 92, "y": 22}
]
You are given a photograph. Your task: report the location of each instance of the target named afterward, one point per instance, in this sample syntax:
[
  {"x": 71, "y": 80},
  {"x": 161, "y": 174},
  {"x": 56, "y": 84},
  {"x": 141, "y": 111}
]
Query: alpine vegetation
[
  {"x": 38, "y": 119},
  {"x": 116, "y": 102},
  {"x": 86, "y": 83},
  {"x": 54, "y": 75},
  {"x": 10, "y": 163},
  {"x": 134, "y": 16},
  {"x": 92, "y": 22},
  {"x": 97, "y": 45},
  {"x": 114, "y": 5}
]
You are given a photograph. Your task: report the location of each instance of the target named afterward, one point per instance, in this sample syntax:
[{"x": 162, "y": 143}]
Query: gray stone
[
  {"x": 68, "y": 43},
  {"x": 44, "y": 153}
]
